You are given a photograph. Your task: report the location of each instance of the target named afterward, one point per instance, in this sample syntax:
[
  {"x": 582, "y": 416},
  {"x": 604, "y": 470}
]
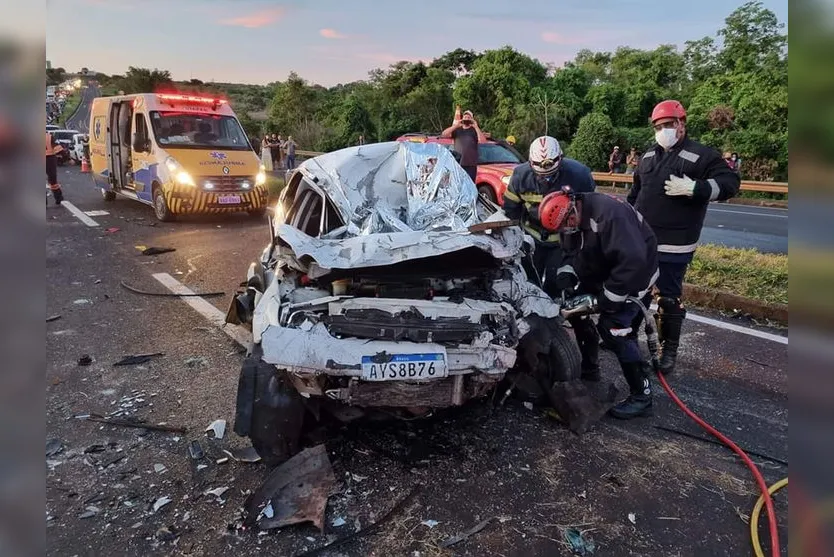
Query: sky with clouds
[{"x": 337, "y": 41}]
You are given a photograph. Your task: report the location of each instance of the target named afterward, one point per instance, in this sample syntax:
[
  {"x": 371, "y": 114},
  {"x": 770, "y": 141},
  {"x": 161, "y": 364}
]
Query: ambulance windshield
[{"x": 198, "y": 131}]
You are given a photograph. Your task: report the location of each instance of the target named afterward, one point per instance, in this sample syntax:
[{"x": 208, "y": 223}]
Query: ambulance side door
[{"x": 143, "y": 154}]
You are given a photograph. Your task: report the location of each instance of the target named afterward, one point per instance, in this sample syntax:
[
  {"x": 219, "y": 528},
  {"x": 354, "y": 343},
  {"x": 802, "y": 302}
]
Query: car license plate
[
  {"x": 403, "y": 367},
  {"x": 229, "y": 199}
]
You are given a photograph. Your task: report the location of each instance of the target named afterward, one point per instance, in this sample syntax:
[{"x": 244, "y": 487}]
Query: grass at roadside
[
  {"x": 274, "y": 185},
  {"x": 745, "y": 272},
  {"x": 69, "y": 108}
]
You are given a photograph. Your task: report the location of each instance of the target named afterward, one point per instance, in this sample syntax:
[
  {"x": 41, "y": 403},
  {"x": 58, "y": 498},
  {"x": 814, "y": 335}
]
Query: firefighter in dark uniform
[
  {"x": 610, "y": 252},
  {"x": 546, "y": 171},
  {"x": 673, "y": 185},
  {"x": 52, "y": 150}
]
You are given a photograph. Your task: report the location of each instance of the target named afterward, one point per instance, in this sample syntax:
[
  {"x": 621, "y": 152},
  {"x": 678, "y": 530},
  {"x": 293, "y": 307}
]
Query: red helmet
[
  {"x": 555, "y": 209},
  {"x": 668, "y": 109}
]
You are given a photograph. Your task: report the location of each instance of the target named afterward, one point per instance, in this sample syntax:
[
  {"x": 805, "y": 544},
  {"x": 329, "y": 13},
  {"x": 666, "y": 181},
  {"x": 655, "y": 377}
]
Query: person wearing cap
[
  {"x": 674, "y": 183},
  {"x": 467, "y": 135},
  {"x": 615, "y": 161},
  {"x": 545, "y": 171},
  {"x": 614, "y": 259}
]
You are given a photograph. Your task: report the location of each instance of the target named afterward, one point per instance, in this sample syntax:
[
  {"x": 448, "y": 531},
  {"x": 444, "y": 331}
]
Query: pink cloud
[
  {"x": 257, "y": 19},
  {"x": 332, "y": 34}
]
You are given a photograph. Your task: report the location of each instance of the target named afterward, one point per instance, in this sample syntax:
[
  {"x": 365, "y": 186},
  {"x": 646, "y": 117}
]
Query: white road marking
[
  {"x": 204, "y": 308},
  {"x": 96, "y": 213},
  {"x": 732, "y": 327},
  {"x": 79, "y": 214},
  {"x": 748, "y": 213}
]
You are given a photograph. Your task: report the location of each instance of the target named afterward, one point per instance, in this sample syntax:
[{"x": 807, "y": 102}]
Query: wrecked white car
[{"x": 388, "y": 286}]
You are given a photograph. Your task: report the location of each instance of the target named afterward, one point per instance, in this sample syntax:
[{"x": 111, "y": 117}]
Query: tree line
[{"x": 734, "y": 85}]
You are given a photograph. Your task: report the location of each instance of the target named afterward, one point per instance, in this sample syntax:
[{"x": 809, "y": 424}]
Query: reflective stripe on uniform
[
  {"x": 648, "y": 154},
  {"x": 715, "y": 189},
  {"x": 566, "y": 269},
  {"x": 594, "y": 225},
  {"x": 532, "y": 197},
  {"x": 511, "y": 196},
  {"x": 614, "y": 297},
  {"x": 689, "y": 155},
  {"x": 669, "y": 248},
  {"x": 538, "y": 235},
  {"x": 652, "y": 280}
]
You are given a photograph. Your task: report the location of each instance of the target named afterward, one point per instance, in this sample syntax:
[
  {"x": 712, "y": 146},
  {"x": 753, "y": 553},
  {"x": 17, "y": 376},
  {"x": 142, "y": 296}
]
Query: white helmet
[{"x": 545, "y": 155}]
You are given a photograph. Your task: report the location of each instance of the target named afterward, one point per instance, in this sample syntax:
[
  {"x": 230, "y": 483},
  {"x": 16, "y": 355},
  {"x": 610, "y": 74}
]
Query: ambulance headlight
[
  {"x": 260, "y": 179},
  {"x": 184, "y": 178},
  {"x": 180, "y": 176}
]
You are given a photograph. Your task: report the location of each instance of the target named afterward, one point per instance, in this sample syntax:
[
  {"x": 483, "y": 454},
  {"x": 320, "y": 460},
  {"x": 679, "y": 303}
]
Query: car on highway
[
  {"x": 389, "y": 287},
  {"x": 496, "y": 161},
  {"x": 80, "y": 142},
  {"x": 179, "y": 153}
]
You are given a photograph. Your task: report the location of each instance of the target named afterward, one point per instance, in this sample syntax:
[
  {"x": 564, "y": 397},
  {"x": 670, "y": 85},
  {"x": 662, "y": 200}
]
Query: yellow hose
[{"x": 754, "y": 516}]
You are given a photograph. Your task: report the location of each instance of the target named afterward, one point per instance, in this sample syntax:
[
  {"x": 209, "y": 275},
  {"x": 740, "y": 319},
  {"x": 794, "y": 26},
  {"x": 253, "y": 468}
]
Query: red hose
[{"x": 771, "y": 514}]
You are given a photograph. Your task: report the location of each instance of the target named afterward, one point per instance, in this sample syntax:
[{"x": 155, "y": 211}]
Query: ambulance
[{"x": 179, "y": 153}]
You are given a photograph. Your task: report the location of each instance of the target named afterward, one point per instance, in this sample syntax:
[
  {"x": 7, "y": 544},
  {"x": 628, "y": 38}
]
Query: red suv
[{"x": 496, "y": 161}]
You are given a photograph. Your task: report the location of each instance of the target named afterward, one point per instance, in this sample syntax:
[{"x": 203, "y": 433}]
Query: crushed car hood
[{"x": 395, "y": 187}]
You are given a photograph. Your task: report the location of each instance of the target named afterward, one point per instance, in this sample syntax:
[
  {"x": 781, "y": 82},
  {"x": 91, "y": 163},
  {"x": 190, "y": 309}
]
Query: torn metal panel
[
  {"x": 437, "y": 308},
  {"x": 316, "y": 351},
  {"x": 525, "y": 296},
  {"x": 377, "y": 250},
  {"x": 395, "y": 186},
  {"x": 449, "y": 391},
  {"x": 296, "y": 492}
]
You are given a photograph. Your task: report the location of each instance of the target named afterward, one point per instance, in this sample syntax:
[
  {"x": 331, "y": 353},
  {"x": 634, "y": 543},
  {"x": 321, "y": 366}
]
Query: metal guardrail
[{"x": 746, "y": 185}]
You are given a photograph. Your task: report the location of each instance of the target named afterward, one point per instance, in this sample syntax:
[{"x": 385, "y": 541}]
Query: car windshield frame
[{"x": 222, "y": 120}]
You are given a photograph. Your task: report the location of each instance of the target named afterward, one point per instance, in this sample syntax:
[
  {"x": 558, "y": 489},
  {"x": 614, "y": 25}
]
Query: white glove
[{"x": 676, "y": 185}]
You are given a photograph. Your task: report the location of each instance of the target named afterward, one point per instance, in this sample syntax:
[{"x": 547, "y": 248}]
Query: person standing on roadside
[
  {"x": 674, "y": 183},
  {"x": 52, "y": 150},
  {"x": 289, "y": 147},
  {"x": 467, "y": 135},
  {"x": 615, "y": 161},
  {"x": 632, "y": 160}
]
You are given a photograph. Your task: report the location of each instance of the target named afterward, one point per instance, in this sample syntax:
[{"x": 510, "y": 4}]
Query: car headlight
[
  {"x": 260, "y": 179},
  {"x": 505, "y": 180}
]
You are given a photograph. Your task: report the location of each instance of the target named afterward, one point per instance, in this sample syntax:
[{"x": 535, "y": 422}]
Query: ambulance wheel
[
  {"x": 160, "y": 206},
  {"x": 108, "y": 195}
]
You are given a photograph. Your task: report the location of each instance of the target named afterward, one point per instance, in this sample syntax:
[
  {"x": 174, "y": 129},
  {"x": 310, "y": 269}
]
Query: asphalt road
[
  {"x": 80, "y": 120},
  {"x": 506, "y": 462}
]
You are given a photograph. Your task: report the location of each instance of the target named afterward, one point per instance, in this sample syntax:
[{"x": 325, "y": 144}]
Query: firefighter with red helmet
[
  {"x": 674, "y": 183},
  {"x": 611, "y": 253},
  {"x": 545, "y": 171}
]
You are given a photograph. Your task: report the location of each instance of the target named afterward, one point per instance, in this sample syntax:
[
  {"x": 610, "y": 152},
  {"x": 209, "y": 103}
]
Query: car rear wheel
[{"x": 487, "y": 191}]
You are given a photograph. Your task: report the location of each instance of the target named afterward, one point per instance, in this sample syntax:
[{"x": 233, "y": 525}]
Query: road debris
[
  {"x": 137, "y": 359},
  {"x": 338, "y": 522},
  {"x": 125, "y": 423},
  {"x": 298, "y": 491},
  {"x": 161, "y": 502},
  {"x": 112, "y": 230},
  {"x": 166, "y": 534},
  {"x": 55, "y": 317},
  {"x": 195, "y": 451},
  {"x": 218, "y": 427},
  {"x": 579, "y": 545},
  {"x": 454, "y": 540},
  {"x": 154, "y": 250},
  {"x": 85, "y": 360},
  {"x": 358, "y": 533},
  {"x": 81, "y": 302},
  {"x": 632, "y": 518},
  {"x": 54, "y": 446},
  {"x": 247, "y": 454},
  {"x": 430, "y": 523},
  {"x": 159, "y": 468},
  {"x": 217, "y": 491},
  {"x": 223, "y": 460},
  {"x": 135, "y": 290},
  {"x": 89, "y": 512},
  {"x": 195, "y": 361}
]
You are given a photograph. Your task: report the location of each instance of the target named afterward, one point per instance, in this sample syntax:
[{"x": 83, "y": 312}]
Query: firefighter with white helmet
[{"x": 546, "y": 171}]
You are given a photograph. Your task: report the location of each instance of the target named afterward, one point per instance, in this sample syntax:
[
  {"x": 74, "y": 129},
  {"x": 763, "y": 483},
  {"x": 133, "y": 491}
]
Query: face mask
[{"x": 666, "y": 137}]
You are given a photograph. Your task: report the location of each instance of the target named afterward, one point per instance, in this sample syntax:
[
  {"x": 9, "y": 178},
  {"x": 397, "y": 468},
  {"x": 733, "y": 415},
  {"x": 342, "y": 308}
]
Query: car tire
[
  {"x": 160, "y": 206},
  {"x": 108, "y": 195},
  {"x": 487, "y": 191},
  {"x": 549, "y": 351}
]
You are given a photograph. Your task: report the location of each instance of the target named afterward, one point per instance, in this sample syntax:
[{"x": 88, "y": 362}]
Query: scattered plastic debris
[
  {"x": 297, "y": 489},
  {"x": 583, "y": 495},
  {"x": 430, "y": 523},
  {"x": 632, "y": 518},
  {"x": 466, "y": 534},
  {"x": 54, "y": 446},
  {"x": 137, "y": 359},
  {"x": 195, "y": 451},
  {"x": 337, "y": 522},
  {"x": 159, "y": 468},
  {"x": 155, "y": 251},
  {"x": 81, "y": 302},
  {"x": 161, "y": 502},
  {"x": 577, "y": 542},
  {"x": 112, "y": 230},
  {"x": 89, "y": 512},
  {"x": 223, "y": 460},
  {"x": 247, "y": 454},
  {"x": 528, "y": 405},
  {"x": 201, "y": 466},
  {"x": 218, "y": 427},
  {"x": 53, "y": 317},
  {"x": 217, "y": 491},
  {"x": 85, "y": 360}
]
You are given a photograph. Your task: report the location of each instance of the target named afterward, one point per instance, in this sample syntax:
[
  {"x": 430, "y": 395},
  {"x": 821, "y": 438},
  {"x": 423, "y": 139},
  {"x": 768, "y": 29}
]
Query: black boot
[
  {"x": 670, "y": 335},
  {"x": 588, "y": 340},
  {"x": 639, "y": 402},
  {"x": 58, "y": 195}
]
